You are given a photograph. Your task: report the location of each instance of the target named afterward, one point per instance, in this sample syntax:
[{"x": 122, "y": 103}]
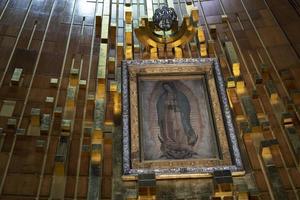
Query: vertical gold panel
[
  {"x": 240, "y": 87},
  {"x": 16, "y": 77},
  {"x": 98, "y": 26},
  {"x": 106, "y": 7},
  {"x": 7, "y": 108},
  {"x": 195, "y": 14},
  {"x": 153, "y": 53},
  {"x": 128, "y": 53},
  {"x": 178, "y": 52},
  {"x": 149, "y": 10},
  {"x": 236, "y": 69},
  {"x": 111, "y": 65},
  {"x": 105, "y": 29},
  {"x": 128, "y": 34},
  {"x": 201, "y": 35},
  {"x": 120, "y": 52},
  {"x": 128, "y": 14},
  {"x": 35, "y": 117},
  {"x": 203, "y": 50},
  {"x": 59, "y": 169},
  {"x": 102, "y": 61},
  {"x": 117, "y": 107},
  {"x": 113, "y": 35},
  {"x": 211, "y": 48}
]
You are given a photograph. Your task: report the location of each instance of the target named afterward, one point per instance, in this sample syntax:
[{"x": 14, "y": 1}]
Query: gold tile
[
  {"x": 35, "y": 116},
  {"x": 101, "y": 73},
  {"x": 128, "y": 53},
  {"x": 105, "y": 29},
  {"x": 128, "y": 14},
  {"x": 153, "y": 53},
  {"x": 201, "y": 35},
  {"x": 178, "y": 52},
  {"x": 15, "y": 79},
  {"x": 7, "y": 108},
  {"x": 98, "y": 25},
  {"x": 203, "y": 50}
]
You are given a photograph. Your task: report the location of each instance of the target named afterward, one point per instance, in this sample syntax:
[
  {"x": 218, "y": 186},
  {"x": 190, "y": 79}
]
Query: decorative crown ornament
[
  {"x": 162, "y": 30},
  {"x": 164, "y": 18}
]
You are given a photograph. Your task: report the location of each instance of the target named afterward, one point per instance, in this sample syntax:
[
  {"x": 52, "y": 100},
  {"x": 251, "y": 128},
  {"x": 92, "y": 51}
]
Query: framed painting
[{"x": 176, "y": 119}]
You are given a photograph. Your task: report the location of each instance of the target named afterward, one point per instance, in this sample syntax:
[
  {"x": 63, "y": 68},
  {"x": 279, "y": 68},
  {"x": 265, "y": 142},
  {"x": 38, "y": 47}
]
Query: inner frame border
[{"x": 211, "y": 113}]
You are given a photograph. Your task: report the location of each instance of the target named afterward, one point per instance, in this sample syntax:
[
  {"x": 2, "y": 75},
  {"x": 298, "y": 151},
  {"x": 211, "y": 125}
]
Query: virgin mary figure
[{"x": 177, "y": 136}]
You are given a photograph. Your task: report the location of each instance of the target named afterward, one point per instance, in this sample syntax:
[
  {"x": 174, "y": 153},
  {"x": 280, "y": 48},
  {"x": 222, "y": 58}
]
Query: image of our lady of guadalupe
[{"x": 177, "y": 136}]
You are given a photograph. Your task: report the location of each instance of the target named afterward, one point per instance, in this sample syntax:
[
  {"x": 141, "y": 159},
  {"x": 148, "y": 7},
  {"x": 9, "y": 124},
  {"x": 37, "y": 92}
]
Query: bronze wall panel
[
  {"x": 73, "y": 158},
  {"x": 70, "y": 187},
  {"x": 21, "y": 185}
]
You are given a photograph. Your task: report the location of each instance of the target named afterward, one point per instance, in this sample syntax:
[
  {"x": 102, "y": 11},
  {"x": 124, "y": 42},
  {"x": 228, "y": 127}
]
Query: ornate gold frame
[{"x": 228, "y": 150}]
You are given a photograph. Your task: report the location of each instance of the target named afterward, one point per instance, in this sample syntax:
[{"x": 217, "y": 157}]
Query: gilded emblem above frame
[{"x": 176, "y": 119}]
